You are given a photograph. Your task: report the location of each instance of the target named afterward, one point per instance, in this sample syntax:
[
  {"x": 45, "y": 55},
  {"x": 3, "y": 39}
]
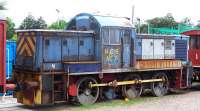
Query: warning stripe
[
  {"x": 26, "y": 46},
  {"x": 19, "y": 39},
  {"x": 33, "y": 40},
  {"x": 31, "y": 49},
  {"x": 20, "y": 42},
  {"x": 31, "y": 44}
]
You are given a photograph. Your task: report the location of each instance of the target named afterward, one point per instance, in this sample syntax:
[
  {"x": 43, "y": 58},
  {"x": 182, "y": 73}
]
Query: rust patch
[{"x": 158, "y": 64}]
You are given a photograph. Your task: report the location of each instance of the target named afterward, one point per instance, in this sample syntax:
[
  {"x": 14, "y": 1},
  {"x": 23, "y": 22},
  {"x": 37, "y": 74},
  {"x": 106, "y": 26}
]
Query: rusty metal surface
[
  {"x": 111, "y": 56},
  {"x": 158, "y": 64}
]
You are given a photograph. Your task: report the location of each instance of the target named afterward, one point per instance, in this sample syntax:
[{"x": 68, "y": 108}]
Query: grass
[
  {"x": 101, "y": 104},
  {"x": 112, "y": 103}
]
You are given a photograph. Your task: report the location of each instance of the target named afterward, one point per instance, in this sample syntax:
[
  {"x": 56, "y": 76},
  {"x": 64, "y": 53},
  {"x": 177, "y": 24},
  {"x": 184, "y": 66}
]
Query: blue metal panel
[
  {"x": 98, "y": 50},
  {"x": 133, "y": 34},
  {"x": 50, "y": 66},
  {"x": 181, "y": 49},
  {"x": 138, "y": 48},
  {"x": 9, "y": 70},
  {"x": 83, "y": 67},
  {"x": 52, "y": 49},
  {"x": 126, "y": 55},
  {"x": 11, "y": 49},
  {"x": 52, "y": 53},
  {"x": 70, "y": 49},
  {"x": 86, "y": 48},
  {"x": 38, "y": 53},
  {"x": 82, "y": 23},
  {"x": 10, "y": 57}
]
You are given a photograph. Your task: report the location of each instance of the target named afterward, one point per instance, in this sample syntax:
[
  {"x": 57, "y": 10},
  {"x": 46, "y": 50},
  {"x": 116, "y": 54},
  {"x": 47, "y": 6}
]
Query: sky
[{"x": 17, "y": 10}]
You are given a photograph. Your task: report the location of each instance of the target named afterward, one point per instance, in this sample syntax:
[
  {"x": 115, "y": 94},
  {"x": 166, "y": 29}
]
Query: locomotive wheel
[
  {"x": 134, "y": 90},
  {"x": 160, "y": 88},
  {"x": 85, "y": 94}
]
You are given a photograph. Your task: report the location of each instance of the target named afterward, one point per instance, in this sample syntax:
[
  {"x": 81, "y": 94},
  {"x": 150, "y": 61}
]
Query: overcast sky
[{"x": 144, "y": 9}]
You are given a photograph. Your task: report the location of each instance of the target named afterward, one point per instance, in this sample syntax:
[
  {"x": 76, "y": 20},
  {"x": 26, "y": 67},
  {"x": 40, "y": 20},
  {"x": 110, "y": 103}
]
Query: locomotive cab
[
  {"x": 114, "y": 40},
  {"x": 194, "y": 51}
]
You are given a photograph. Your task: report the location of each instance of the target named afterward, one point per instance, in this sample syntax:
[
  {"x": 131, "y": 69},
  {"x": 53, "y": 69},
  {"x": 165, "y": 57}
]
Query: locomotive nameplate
[{"x": 158, "y": 64}]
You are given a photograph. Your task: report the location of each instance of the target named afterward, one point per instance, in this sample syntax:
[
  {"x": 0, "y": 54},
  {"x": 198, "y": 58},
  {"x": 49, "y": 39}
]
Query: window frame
[{"x": 110, "y": 36}]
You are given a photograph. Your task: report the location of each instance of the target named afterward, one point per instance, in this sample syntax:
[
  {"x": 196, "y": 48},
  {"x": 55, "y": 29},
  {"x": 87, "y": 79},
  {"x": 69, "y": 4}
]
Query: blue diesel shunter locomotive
[{"x": 97, "y": 57}]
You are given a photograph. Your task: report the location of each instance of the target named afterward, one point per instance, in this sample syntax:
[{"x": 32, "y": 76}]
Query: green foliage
[
  {"x": 167, "y": 21},
  {"x": 31, "y": 23},
  {"x": 14, "y": 37},
  {"x": 163, "y": 25},
  {"x": 61, "y": 24},
  {"x": 10, "y": 28},
  {"x": 144, "y": 28},
  {"x": 41, "y": 23}
]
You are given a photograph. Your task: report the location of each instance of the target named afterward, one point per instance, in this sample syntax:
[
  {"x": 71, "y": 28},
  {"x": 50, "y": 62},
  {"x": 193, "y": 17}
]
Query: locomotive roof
[
  {"x": 106, "y": 20},
  {"x": 192, "y": 33},
  {"x": 113, "y": 21},
  {"x": 47, "y": 30}
]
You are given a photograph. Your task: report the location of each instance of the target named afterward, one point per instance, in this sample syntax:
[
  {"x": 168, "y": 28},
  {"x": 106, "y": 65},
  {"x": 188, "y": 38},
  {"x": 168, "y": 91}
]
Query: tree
[
  {"x": 143, "y": 28},
  {"x": 10, "y": 28},
  {"x": 41, "y": 23},
  {"x": 61, "y": 24},
  {"x": 28, "y": 23},
  {"x": 186, "y": 21},
  {"x": 31, "y": 23},
  {"x": 167, "y": 21},
  {"x": 2, "y": 6}
]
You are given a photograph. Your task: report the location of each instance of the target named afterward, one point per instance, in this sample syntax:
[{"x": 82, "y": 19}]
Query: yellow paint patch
[
  {"x": 38, "y": 97},
  {"x": 126, "y": 99},
  {"x": 20, "y": 43},
  {"x": 26, "y": 45}
]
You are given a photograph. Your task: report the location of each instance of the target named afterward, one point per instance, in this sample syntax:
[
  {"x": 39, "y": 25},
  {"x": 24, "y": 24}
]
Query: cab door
[
  {"x": 126, "y": 48},
  {"x": 70, "y": 49},
  {"x": 86, "y": 48}
]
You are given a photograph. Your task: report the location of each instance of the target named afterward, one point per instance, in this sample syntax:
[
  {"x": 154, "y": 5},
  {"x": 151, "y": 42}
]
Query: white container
[
  {"x": 158, "y": 49},
  {"x": 169, "y": 49},
  {"x": 147, "y": 48}
]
